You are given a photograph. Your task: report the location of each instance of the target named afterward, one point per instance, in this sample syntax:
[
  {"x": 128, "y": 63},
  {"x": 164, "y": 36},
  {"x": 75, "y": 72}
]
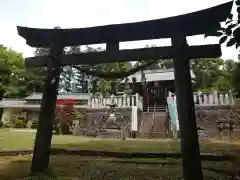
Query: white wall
[{"x": 134, "y": 118}]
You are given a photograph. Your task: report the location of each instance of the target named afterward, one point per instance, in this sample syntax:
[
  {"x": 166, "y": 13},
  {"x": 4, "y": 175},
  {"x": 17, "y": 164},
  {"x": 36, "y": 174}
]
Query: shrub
[
  {"x": 19, "y": 123},
  {"x": 34, "y": 125}
]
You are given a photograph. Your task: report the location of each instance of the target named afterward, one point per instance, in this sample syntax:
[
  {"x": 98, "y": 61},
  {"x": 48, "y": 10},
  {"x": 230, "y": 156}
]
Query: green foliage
[
  {"x": 82, "y": 82},
  {"x": 66, "y": 79},
  {"x": 210, "y": 73},
  {"x": 34, "y": 124},
  {"x": 16, "y": 81},
  {"x": 80, "y": 114},
  {"x": 213, "y": 74},
  {"x": 74, "y": 80},
  {"x": 236, "y": 77},
  {"x": 230, "y": 33},
  {"x": 19, "y": 123},
  {"x": 206, "y": 71},
  {"x": 229, "y": 30}
]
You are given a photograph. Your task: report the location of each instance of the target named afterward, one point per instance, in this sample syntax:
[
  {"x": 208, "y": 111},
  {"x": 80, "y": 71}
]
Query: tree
[
  {"x": 66, "y": 79},
  {"x": 36, "y": 78},
  {"x": 80, "y": 82},
  {"x": 15, "y": 79},
  {"x": 225, "y": 79},
  {"x": 97, "y": 84},
  {"x": 206, "y": 72},
  {"x": 229, "y": 31},
  {"x": 41, "y": 52},
  {"x": 65, "y": 82},
  {"x": 165, "y": 63},
  {"x": 64, "y": 116},
  {"x": 213, "y": 74}
]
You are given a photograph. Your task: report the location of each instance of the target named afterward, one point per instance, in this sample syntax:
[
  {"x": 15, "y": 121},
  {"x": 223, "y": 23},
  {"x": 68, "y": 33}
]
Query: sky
[{"x": 87, "y": 13}]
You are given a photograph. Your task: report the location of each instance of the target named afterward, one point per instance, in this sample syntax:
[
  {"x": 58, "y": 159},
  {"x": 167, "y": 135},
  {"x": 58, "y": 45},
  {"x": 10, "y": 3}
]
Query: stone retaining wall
[
  {"x": 207, "y": 118},
  {"x": 94, "y": 118}
]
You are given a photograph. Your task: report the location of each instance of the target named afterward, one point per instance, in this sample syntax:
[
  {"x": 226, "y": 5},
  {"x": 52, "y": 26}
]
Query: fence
[
  {"x": 210, "y": 99},
  {"x": 122, "y": 101}
]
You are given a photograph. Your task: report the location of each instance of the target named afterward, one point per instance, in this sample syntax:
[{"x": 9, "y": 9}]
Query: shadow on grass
[
  {"x": 219, "y": 170},
  {"x": 74, "y": 167},
  {"x": 145, "y": 146}
]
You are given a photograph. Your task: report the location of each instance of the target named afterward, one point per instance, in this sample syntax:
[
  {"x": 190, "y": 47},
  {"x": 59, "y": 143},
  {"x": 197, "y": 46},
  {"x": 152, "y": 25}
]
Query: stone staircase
[{"x": 154, "y": 125}]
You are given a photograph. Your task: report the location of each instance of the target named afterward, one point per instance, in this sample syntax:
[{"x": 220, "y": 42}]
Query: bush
[
  {"x": 34, "y": 125},
  {"x": 19, "y": 123}
]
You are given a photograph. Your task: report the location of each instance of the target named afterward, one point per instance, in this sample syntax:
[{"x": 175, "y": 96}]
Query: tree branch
[{"x": 114, "y": 75}]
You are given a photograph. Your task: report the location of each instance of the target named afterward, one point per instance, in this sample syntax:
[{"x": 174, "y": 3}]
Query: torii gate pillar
[
  {"x": 42, "y": 146},
  {"x": 191, "y": 160}
]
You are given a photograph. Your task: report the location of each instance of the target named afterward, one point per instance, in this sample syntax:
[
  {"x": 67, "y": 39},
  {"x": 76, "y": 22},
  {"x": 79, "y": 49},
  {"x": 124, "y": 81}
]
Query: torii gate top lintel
[{"x": 187, "y": 25}]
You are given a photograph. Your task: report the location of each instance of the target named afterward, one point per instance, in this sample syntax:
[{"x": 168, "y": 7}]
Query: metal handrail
[{"x": 153, "y": 118}]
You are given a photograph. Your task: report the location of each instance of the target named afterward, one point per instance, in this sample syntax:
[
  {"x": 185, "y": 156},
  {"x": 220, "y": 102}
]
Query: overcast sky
[{"x": 85, "y": 13}]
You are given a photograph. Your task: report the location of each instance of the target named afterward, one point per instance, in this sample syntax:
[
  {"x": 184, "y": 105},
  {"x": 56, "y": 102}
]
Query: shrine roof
[
  {"x": 22, "y": 103},
  {"x": 155, "y": 75},
  {"x": 7, "y": 102}
]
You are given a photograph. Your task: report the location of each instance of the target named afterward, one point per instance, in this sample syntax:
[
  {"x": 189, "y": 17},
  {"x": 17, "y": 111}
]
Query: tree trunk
[
  {"x": 1, "y": 109},
  {"x": 42, "y": 146}
]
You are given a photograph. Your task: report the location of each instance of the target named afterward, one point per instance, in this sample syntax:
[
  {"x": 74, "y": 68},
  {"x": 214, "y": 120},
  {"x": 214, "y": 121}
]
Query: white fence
[
  {"x": 122, "y": 101},
  {"x": 210, "y": 99}
]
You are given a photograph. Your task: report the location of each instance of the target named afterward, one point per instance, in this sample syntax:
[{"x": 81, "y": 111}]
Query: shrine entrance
[
  {"x": 155, "y": 96},
  {"x": 153, "y": 85}
]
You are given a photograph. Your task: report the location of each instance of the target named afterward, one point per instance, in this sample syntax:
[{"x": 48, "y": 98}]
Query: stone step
[
  {"x": 158, "y": 107},
  {"x": 156, "y": 128},
  {"x": 152, "y": 110},
  {"x": 153, "y": 135},
  {"x": 150, "y": 127}
]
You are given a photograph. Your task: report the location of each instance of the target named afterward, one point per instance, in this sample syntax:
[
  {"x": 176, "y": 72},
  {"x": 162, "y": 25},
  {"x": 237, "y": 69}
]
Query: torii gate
[{"x": 177, "y": 28}]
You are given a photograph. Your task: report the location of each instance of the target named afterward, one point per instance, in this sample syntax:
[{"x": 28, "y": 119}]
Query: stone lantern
[
  {"x": 225, "y": 125},
  {"x": 112, "y": 113}
]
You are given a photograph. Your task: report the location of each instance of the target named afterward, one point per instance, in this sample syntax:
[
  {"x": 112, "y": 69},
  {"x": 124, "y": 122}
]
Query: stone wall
[
  {"x": 94, "y": 122},
  {"x": 207, "y": 118}
]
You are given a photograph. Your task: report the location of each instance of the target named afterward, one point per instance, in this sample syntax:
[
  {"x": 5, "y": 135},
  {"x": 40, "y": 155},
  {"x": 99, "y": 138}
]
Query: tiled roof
[
  {"x": 76, "y": 96},
  {"x": 9, "y": 103},
  {"x": 38, "y": 96},
  {"x": 12, "y": 103},
  {"x": 155, "y": 75}
]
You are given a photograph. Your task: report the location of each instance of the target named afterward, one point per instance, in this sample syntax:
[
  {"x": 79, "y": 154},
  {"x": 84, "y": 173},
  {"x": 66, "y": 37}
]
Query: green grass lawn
[{"x": 70, "y": 167}]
